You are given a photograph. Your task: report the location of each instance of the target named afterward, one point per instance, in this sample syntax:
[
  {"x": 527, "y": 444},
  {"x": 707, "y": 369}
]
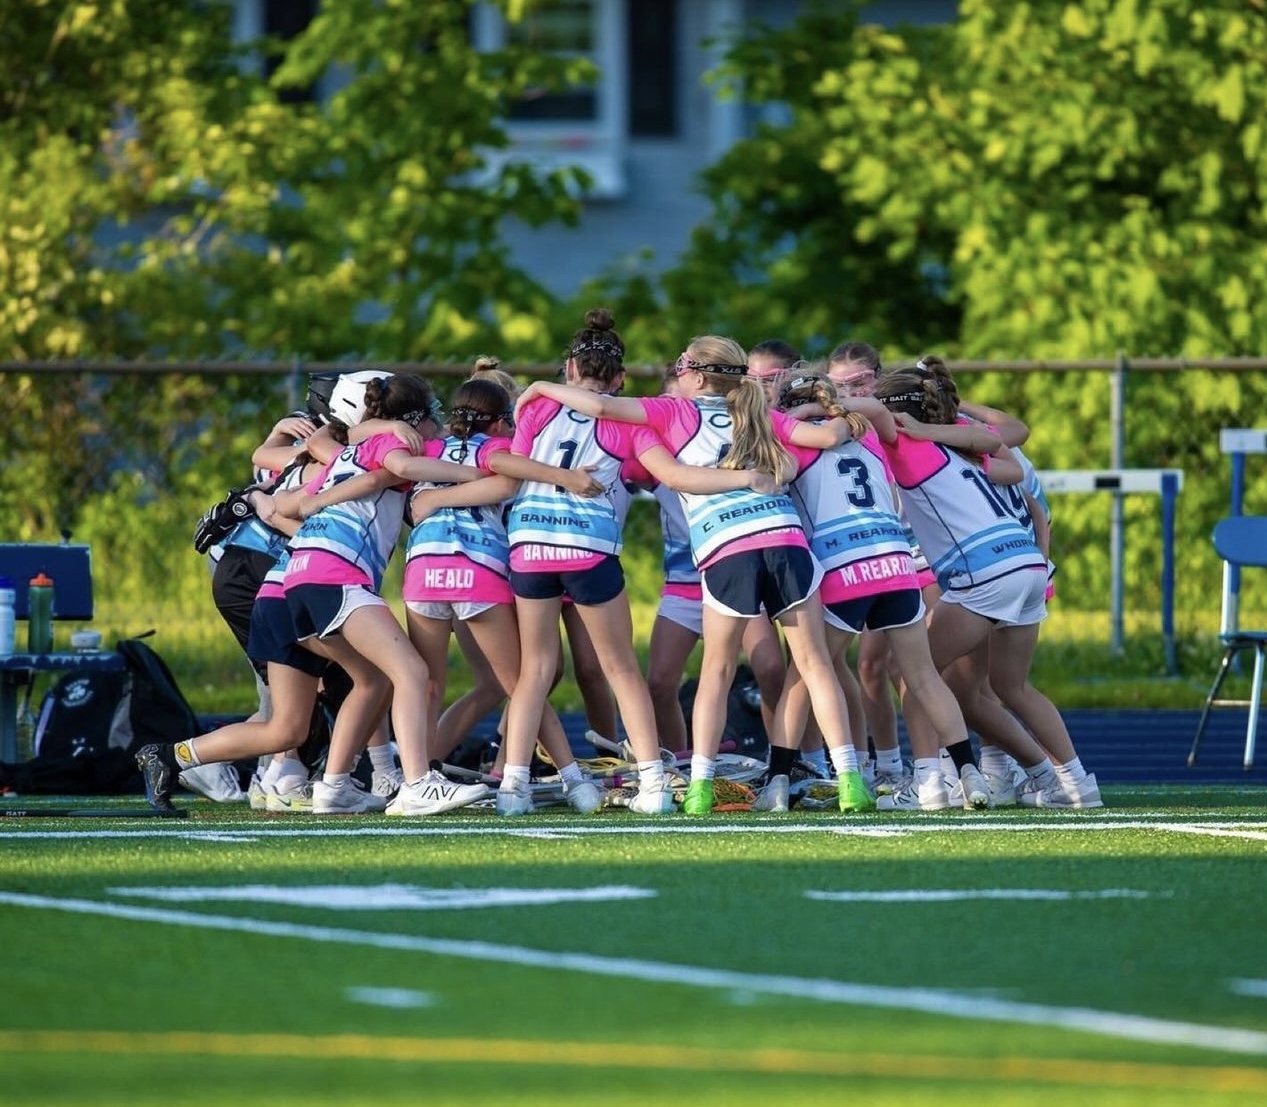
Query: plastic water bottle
[
  {"x": 8, "y": 618},
  {"x": 39, "y": 625}
]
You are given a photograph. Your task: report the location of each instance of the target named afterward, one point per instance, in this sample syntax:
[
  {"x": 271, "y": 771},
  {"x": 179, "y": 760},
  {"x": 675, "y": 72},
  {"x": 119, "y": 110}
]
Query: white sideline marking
[
  {"x": 401, "y": 998},
  {"x": 1235, "y": 826},
  {"x": 948, "y": 895},
  {"x": 388, "y": 897},
  {"x": 1140, "y": 1028},
  {"x": 1243, "y": 987}
]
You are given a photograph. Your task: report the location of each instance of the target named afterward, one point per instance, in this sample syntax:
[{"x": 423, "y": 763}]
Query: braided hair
[
  {"x": 807, "y": 384},
  {"x": 477, "y": 405}
]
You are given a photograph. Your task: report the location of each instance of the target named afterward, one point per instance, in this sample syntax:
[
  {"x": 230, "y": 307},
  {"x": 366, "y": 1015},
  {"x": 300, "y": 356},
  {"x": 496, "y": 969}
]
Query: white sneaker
[
  {"x": 255, "y": 794},
  {"x": 387, "y": 783},
  {"x": 217, "y": 781},
  {"x": 867, "y": 769},
  {"x": 516, "y": 799},
  {"x": 585, "y": 797},
  {"x": 653, "y": 801},
  {"x": 1002, "y": 790},
  {"x": 433, "y": 795},
  {"x": 347, "y": 798},
  {"x": 976, "y": 792},
  {"x": 774, "y": 796},
  {"x": 931, "y": 795},
  {"x": 1083, "y": 795},
  {"x": 290, "y": 794},
  {"x": 888, "y": 781}
]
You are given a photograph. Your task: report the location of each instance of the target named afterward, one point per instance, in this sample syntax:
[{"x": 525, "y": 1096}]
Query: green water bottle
[{"x": 39, "y": 627}]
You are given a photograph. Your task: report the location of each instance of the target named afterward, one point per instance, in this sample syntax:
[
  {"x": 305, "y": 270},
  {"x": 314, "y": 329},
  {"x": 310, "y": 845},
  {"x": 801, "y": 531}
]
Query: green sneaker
[
  {"x": 699, "y": 798},
  {"x": 853, "y": 793}
]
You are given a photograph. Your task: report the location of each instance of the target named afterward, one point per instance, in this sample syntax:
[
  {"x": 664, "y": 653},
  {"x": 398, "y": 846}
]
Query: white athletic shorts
[
  {"x": 1016, "y": 600},
  {"x": 461, "y": 610},
  {"x": 688, "y": 614}
]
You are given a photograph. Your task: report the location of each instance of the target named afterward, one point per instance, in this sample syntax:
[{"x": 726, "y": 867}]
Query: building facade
[{"x": 644, "y": 130}]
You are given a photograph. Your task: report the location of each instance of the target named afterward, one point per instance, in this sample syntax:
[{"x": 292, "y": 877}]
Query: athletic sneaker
[
  {"x": 888, "y": 781},
  {"x": 217, "y": 781},
  {"x": 931, "y": 795},
  {"x": 854, "y": 796},
  {"x": 289, "y": 795},
  {"x": 1085, "y": 794},
  {"x": 349, "y": 797},
  {"x": 656, "y": 801},
  {"x": 774, "y": 796},
  {"x": 975, "y": 792},
  {"x": 158, "y": 767},
  {"x": 387, "y": 783},
  {"x": 699, "y": 798},
  {"x": 585, "y": 797},
  {"x": 255, "y": 793},
  {"x": 515, "y": 800},
  {"x": 1002, "y": 790},
  {"x": 867, "y": 769},
  {"x": 433, "y": 795}
]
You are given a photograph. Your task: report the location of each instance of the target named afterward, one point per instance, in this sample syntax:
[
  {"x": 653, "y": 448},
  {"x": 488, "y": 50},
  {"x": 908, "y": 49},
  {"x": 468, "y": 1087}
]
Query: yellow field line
[{"x": 353, "y": 1047}]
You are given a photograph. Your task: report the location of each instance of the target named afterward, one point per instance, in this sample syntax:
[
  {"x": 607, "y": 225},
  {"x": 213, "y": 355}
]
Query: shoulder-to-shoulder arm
[
  {"x": 520, "y": 468},
  {"x": 1011, "y": 429},
  {"x": 701, "y": 479}
]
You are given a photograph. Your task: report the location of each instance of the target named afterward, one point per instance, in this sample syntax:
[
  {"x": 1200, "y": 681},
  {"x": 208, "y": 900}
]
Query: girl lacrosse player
[{"x": 749, "y": 545}]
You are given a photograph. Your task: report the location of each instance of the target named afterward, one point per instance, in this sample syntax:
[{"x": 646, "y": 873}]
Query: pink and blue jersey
[
  {"x": 698, "y": 432},
  {"x": 969, "y": 528},
  {"x": 351, "y": 542},
  {"x": 460, "y": 553},
  {"x": 846, "y": 499},
  {"x": 551, "y": 529}
]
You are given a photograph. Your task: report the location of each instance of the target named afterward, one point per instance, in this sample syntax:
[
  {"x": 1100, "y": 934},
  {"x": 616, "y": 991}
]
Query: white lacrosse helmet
[{"x": 347, "y": 398}]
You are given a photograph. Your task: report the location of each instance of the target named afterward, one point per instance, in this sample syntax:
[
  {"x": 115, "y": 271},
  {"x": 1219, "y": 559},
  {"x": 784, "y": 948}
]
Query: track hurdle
[{"x": 1164, "y": 482}]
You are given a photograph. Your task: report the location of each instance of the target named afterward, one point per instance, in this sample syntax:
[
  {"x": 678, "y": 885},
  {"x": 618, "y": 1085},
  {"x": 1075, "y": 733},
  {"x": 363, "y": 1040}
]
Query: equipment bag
[{"x": 77, "y": 714}]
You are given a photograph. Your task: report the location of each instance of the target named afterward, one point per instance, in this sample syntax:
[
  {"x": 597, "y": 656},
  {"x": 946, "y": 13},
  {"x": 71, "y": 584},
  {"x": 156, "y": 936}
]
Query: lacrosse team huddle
[{"x": 829, "y": 502}]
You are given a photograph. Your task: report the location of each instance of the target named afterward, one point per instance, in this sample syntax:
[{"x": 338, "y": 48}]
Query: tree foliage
[
  {"x": 160, "y": 198},
  {"x": 1052, "y": 181}
]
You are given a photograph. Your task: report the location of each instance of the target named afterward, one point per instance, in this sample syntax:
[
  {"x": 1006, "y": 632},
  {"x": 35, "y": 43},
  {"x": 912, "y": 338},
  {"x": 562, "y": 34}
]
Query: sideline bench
[{"x": 70, "y": 566}]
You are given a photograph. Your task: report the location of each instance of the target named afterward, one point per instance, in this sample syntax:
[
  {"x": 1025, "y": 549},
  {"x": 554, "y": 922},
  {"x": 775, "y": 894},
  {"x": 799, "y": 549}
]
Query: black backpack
[
  {"x": 91, "y": 712},
  {"x": 77, "y": 714},
  {"x": 744, "y": 724},
  {"x": 153, "y": 709}
]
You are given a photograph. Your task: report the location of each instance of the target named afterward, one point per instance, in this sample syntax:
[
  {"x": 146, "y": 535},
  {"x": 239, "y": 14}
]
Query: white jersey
[
  {"x": 847, "y": 502},
  {"x": 478, "y": 533},
  {"x": 548, "y": 515},
  {"x": 971, "y": 530},
  {"x": 679, "y": 567},
  {"x": 363, "y": 533}
]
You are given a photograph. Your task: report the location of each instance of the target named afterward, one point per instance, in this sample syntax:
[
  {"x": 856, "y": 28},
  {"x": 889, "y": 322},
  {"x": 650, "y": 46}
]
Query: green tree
[
  {"x": 160, "y": 198},
  {"x": 1030, "y": 181}
]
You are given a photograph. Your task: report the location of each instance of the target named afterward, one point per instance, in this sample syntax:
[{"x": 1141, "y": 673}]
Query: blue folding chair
[{"x": 1241, "y": 541}]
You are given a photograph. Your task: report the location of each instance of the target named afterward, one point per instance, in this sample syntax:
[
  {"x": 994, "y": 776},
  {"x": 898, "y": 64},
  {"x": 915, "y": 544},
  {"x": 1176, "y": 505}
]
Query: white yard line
[
  {"x": 949, "y": 1004},
  {"x": 541, "y": 827},
  {"x": 955, "y": 895}
]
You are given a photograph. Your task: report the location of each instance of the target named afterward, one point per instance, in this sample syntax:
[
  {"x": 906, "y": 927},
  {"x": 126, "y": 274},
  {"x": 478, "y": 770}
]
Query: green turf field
[{"x": 1115, "y": 956}]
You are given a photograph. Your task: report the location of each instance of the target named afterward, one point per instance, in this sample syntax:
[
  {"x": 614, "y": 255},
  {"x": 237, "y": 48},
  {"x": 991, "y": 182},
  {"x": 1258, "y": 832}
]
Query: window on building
[
  {"x": 565, "y": 28},
  {"x": 283, "y": 20},
  {"x": 653, "y": 68},
  {"x": 583, "y": 126}
]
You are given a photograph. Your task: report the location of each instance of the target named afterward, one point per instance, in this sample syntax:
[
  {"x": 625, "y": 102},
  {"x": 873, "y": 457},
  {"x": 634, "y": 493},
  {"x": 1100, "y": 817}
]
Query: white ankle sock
[
  {"x": 844, "y": 759},
  {"x": 889, "y": 761}
]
